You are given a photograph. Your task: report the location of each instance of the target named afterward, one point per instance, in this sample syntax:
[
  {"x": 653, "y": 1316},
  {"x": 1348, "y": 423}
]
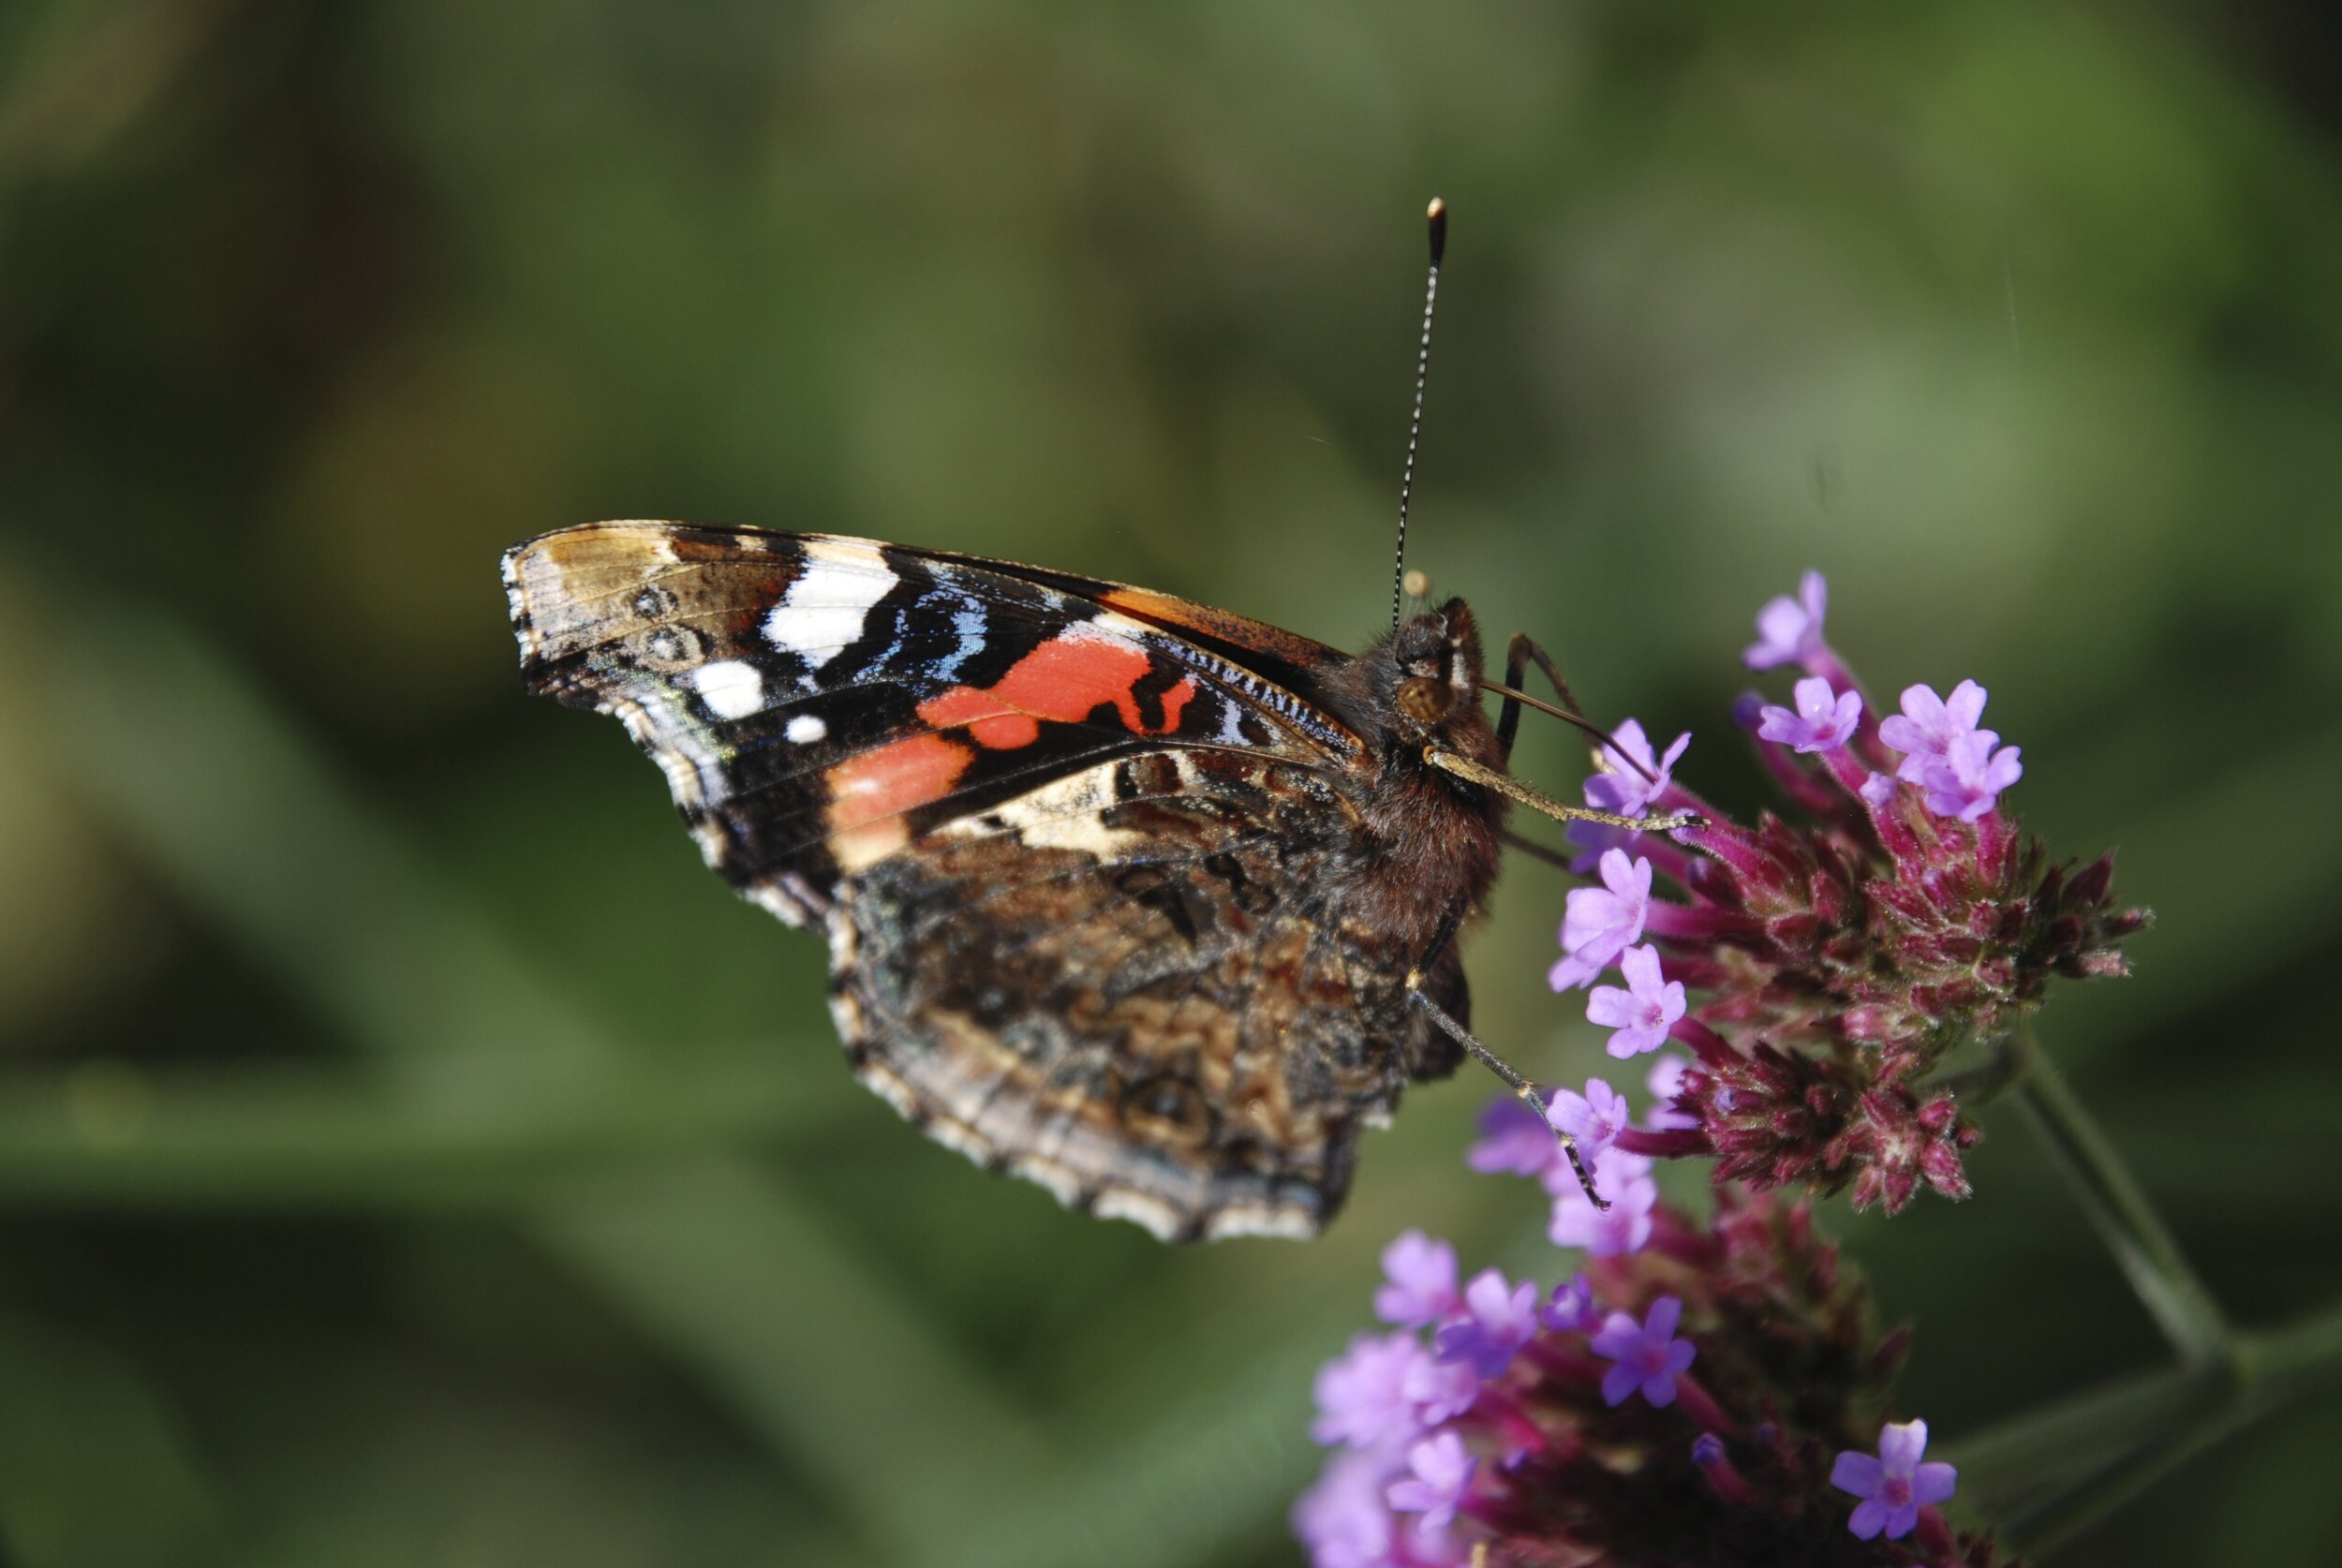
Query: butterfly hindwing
[
  {"x": 817, "y": 702},
  {"x": 1127, "y": 988}
]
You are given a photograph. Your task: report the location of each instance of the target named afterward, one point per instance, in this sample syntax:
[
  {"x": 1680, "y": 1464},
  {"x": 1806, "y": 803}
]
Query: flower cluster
[
  {"x": 1820, "y": 969},
  {"x": 1711, "y": 1398}
]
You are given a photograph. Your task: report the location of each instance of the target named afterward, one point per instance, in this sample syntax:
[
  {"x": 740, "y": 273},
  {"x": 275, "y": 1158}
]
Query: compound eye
[{"x": 1423, "y": 700}]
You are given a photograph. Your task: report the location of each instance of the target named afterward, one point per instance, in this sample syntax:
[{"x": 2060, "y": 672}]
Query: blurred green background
[{"x": 409, "y": 1153}]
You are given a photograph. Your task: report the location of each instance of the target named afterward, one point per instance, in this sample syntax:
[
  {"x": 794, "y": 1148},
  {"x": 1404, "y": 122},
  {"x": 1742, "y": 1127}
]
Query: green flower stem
[
  {"x": 2149, "y": 1254},
  {"x": 2006, "y": 1063},
  {"x": 2045, "y": 1477}
]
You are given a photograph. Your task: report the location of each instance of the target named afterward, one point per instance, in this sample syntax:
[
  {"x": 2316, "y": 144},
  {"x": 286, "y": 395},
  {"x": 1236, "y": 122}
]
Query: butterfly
[{"x": 1146, "y": 902}]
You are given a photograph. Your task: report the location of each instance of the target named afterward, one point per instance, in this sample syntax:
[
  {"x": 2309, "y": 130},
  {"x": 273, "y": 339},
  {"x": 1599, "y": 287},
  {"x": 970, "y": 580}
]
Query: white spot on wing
[
  {"x": 824, "y": 609},
  {"x": 1231, "y": 723},
  {"x": 731, "y": 689},
  {"x": 806, "y": 727},
  {"x": 1065, "y": 814}
]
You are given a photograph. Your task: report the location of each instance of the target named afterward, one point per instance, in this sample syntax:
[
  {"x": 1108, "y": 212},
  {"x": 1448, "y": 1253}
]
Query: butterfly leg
[
  {"x": 1512, "y": 1076},
  {"x": 1518, "y": 653}
]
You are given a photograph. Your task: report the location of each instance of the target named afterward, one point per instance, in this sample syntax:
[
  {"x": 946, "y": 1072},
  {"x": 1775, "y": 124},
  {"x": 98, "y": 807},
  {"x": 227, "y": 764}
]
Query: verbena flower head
[
  {"x": 1831, "y": 958},
  {"x": 1710, "y": 1400}
]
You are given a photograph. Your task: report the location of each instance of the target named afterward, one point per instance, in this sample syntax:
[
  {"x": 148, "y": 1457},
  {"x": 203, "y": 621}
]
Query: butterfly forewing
[{"x": 817, "y": 702}]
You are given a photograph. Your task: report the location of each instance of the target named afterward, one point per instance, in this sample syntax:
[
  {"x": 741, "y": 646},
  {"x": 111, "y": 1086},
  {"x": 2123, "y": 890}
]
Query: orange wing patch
[
  {"x": 871, "y": 793},
  {"x": 1063, "y": 680}
]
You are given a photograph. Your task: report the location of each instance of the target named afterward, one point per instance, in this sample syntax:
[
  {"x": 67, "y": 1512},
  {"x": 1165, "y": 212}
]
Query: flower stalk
[{"x": 2149, "y": 1255}]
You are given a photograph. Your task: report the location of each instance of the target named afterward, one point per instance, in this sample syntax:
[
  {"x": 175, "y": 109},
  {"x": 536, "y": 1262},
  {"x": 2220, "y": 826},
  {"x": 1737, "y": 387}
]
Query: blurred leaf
[{"x": 93, "y": 1471}]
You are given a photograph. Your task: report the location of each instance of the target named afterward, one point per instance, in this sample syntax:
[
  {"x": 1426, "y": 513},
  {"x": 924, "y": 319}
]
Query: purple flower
[
  {"x": 1789, "y": 630},
  {"x": 1572, "y": 1310},
  {"x": 1500, "y": 1320},
  {"x": 1644, "y": 1011},
  {"x": 1621, "y": 789},
  {"x": 1422, "y": 1276},
  {"x": 1894, "y": 1485},
  {"x": 1824, "y": 720},
  {"x": 1514, "y": 1142},
  {"x": 1593, "y": 1120},
  {"x": 1364, "y": 1397},
  {"x": 1966, "y": 780},
  {"x": 1649, "y": 1355},
  {"x": 1601, "y": 923},
  {"x": 1666, "y": 1081},
  {"x": 1929, "y": 724},
  {"x": 1623, "y": 1228},
  {"x": 1438, "y": 1391},
  {"x": 1877, "y": 790},
  {"x": 1442, "y": 1477},
  {"x": 1342, "y": 1519}
]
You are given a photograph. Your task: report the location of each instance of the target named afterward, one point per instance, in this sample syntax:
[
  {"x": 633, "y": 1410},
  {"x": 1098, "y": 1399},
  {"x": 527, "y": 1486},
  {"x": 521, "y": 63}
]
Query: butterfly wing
[
  {"x": 1073, "y": 844},
  {"x": 817, "y": 702},
  {"x": 1128, "y": 986}
]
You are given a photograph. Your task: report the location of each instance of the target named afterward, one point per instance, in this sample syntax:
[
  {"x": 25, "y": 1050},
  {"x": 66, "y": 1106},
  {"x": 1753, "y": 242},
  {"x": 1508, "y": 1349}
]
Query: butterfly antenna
[{"x": 1437, "y": 216}]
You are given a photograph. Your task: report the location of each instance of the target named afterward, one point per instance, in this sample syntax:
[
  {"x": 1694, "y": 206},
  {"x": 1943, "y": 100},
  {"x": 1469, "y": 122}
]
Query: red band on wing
[
  {"x": 1063, "y": 680},
  {"x": 893, "y": 778}
]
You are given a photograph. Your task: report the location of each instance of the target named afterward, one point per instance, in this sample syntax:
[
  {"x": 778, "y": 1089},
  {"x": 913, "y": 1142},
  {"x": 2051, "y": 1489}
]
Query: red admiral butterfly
[{"x": 1145, "y": 901}]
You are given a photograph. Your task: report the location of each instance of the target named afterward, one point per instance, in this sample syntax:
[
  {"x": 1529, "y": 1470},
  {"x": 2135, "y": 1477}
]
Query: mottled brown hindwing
[{"x": 1121, "y": 986}]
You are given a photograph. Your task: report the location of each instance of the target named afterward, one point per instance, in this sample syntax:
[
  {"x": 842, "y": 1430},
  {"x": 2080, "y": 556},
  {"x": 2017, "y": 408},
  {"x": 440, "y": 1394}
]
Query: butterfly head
[{"x": 1428, "y": 669}]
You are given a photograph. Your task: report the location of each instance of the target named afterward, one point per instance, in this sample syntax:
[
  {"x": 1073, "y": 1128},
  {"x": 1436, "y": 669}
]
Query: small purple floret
[
  {"x": 1514, "y": 1142},
  {"x": 1364, "y": 1397},
  {"x": 1789, "y": 630},
  {"x": 1929, "y": 724},
  {"x": 1593, "y": 1120},
  {"x": 1642, "y": 1013},
  {"x": 1607, "y": 1232},
  {"x": 1620, "y": 787},
  {"x": 1966, "y": 780},
  {"x": 1421, "y": 1271},
  {"x": 1825, "y": 718},
  {"x": 1650, "y": 1357},
  {"x": 1500, "y": 1319},
  {"x": 1342, "y": 1519},
  {"x": 1572, "y": 1310},
  {"x": 1894, "y": 1485},
  {"x": 1442, "y": 1478},
  {"x": 1601, "y": 923},
  {"x": 1439, "y": 1390}
]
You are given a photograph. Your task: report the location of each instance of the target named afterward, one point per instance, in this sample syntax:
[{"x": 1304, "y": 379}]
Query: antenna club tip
[
  {"x": 1416, "y": 584},
  {"x": 1436, "y": 215}
]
